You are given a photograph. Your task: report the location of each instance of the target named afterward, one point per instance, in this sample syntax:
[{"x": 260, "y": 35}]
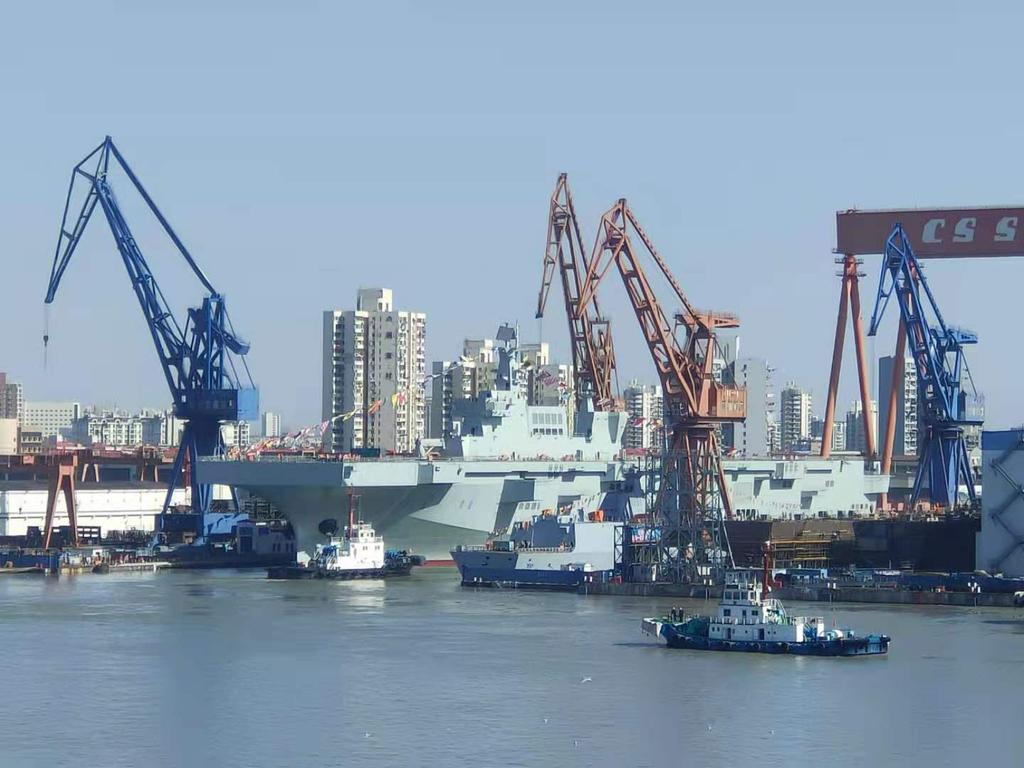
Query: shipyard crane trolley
[
  {"x": 203, "y": 361},
  {"x": 938, "y": 353}
]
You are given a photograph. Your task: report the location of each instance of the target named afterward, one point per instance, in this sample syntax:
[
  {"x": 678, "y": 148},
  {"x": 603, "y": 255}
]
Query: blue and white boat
[
  {"x": 580, "y": 544},
  {"x": 748, "y": 619}
]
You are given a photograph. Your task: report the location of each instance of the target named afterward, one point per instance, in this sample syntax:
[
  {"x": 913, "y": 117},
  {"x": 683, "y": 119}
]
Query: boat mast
[{"x": 768, "y": 561}]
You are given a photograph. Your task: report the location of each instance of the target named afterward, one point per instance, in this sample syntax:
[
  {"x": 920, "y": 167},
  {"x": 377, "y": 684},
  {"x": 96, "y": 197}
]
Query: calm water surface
[{"x": 229, "y": 669}]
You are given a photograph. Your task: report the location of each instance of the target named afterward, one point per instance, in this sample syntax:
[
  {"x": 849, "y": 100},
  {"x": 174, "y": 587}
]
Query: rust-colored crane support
[
  {"x": 849, "y": 298},
  {"x": 593, "y": 354},
  {"x": 62, "y": 480},
  {"x": 694, "y": 402}
]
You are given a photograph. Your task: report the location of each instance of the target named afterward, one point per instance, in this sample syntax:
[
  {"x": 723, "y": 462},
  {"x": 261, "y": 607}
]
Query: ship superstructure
[{"x": 506, "y": 460}]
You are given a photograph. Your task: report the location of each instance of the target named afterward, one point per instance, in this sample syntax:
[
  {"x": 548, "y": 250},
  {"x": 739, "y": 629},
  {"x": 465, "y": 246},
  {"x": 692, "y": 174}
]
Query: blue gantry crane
[
  {"x": 945, "y": 406},
  {"x": 204, "y": 361}
]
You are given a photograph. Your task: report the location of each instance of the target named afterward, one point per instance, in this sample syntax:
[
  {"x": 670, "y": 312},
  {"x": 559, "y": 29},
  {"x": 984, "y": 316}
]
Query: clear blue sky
[{"x": 304, "y": 149}]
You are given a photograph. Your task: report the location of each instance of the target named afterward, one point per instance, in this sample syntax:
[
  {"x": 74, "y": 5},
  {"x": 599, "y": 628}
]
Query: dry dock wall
[{"x": 1001, "y": 540}]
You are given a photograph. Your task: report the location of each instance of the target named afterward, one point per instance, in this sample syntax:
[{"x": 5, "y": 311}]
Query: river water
[{"x": 230, "y": 669}]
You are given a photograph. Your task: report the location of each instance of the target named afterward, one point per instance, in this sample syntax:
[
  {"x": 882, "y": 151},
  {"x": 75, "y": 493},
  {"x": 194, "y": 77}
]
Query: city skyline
[{"x": 266, "y": 231}]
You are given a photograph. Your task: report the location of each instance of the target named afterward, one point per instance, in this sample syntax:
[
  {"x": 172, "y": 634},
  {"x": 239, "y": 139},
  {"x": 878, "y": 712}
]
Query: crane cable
[{"x": 46, "y": 332}]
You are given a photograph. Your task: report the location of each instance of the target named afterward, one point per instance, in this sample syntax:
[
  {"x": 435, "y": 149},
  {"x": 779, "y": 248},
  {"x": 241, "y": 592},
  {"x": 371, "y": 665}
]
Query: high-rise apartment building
[
  {"x": 374, "y": 359},
  {"x": 451, "y": 380},
  {"x": 751, "y": 437},
  {"x": 838, "y": 436},
  {"x": 12, "y": 399},
  {"x": 856, "y": 440},
  {"x": 905, "y": 442},
  {"x": 645, "y": 404},
  {"x": 270, "y": 424},
  {"x": 794, "y": 417}
]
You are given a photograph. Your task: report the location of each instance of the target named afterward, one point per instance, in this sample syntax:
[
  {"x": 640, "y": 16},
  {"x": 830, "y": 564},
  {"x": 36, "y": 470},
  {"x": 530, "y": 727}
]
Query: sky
[{"x": 305, "y": 149}]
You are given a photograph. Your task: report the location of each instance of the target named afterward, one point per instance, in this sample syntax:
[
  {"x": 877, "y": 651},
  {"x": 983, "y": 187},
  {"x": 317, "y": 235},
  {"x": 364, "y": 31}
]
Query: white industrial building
[
  {"x": 52, "y": 419},
  {"x": 111, "y": 506},
  {"x": 8, "y": 437},
  {"x": 374, "y": 360},
  {"x": 1000, "y": 543}
]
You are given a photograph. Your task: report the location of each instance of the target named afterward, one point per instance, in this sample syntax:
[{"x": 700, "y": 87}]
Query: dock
[{"x": 880, "y": 596}]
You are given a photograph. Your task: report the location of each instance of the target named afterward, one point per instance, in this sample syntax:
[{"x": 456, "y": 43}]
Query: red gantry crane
[
  {"x": 593, "y": 355},
  {"x": 693, "y": 494}
]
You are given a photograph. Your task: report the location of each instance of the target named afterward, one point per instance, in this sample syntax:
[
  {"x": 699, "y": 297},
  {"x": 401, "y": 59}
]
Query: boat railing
[
  {"x": 483, "y": 548},
  {"x": 748, "y": 620},
  {"x": 332, "y": 459}
]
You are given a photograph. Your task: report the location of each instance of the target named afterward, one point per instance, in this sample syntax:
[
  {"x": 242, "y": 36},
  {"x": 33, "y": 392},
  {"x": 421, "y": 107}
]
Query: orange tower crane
[
  {"x": 693, "y": 494},
  {"x": 593, "y": 354}
]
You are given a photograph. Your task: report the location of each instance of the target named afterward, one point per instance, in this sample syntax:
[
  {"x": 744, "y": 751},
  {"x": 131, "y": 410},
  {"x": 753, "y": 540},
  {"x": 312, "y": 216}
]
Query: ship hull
[
  {"x": 430, "y": 507},
  {"x": 861, "y": 646},
  {"x": 426, "y": 507},
  {"x": 488, "y": 568},
  {"x": 669, "y": 633}
]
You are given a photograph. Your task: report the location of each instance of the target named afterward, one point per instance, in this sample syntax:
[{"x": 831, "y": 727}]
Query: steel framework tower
[
  {"x": 593, "y": 354},
  {"x": 938, "y": 353},
  {"x": 693, "y": 499},
  {"x": 199, "y": 360}
]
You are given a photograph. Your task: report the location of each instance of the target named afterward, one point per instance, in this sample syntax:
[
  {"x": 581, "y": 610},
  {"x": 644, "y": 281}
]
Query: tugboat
[
  {"x": 358, "y": 554},
  {"x": 748, "y": 619}
]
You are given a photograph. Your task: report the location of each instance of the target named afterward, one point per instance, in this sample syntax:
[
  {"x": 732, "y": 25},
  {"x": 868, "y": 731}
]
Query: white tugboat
[
  {"x": 357, "y": 554},
  {"x": 749, "y": 620}
]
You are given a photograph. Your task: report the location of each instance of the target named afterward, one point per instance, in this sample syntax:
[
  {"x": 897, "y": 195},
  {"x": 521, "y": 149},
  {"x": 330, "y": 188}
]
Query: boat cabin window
[{"x": 727, "y": 612}]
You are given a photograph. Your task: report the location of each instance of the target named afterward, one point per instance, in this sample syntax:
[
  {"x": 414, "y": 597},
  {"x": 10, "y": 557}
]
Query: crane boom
[
  {"x": 685, "y": 369},
  {"x": 197, "y": 360},
  {"x": 692, "y": 480},
  {"x": 938, "y": 353},
  {"x": 593, "y": 353}
]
